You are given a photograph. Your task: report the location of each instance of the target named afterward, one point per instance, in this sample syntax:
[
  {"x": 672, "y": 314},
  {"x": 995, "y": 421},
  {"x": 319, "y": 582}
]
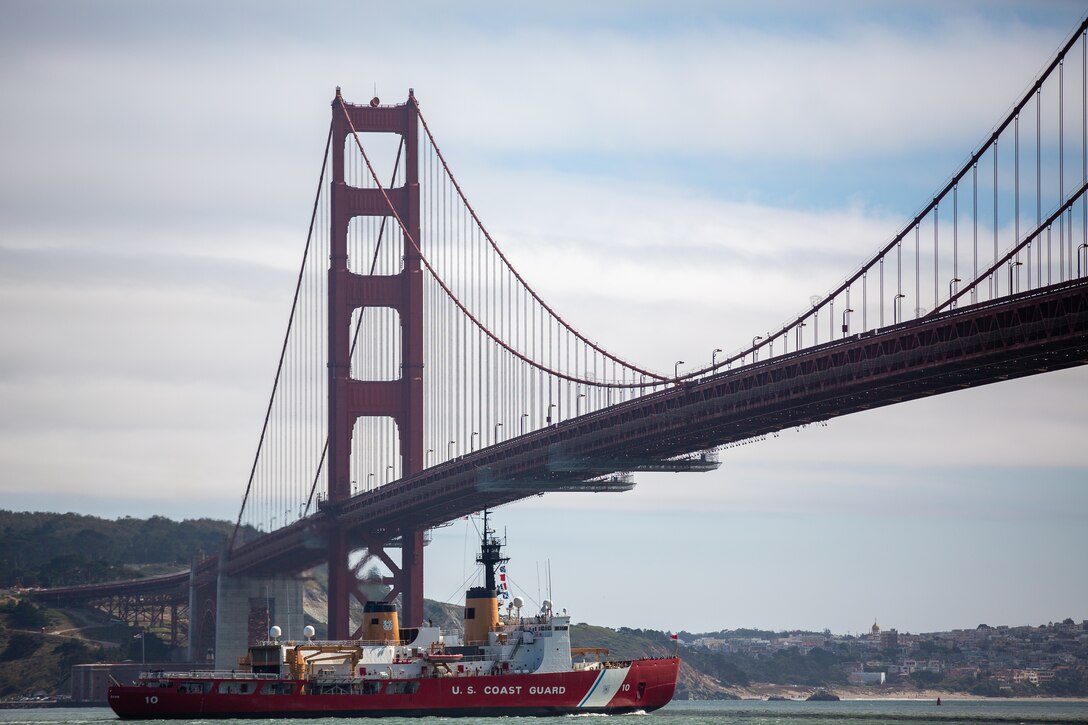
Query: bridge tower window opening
[
  {"x": 376, "y": 334},
  {"x": 386, "y": 152},
  {"x": 375, "y": 246}
]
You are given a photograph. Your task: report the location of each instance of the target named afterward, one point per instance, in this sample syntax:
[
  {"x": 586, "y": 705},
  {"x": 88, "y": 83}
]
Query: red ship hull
[{"x": 642, "y": 685}]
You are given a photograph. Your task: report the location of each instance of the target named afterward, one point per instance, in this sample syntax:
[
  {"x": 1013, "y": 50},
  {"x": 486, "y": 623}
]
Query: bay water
[{"x": 741, "y": 712}]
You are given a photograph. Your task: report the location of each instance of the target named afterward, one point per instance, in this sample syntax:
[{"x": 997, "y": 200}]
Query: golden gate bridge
[{"x": 422, "y": 378}]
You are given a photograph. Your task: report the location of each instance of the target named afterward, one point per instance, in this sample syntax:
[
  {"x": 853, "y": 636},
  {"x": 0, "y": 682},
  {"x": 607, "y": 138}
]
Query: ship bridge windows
[{"x": 562, "y": 628}]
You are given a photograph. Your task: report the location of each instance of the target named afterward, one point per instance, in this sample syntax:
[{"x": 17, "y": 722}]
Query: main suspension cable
[{"x": 460, "y": 305}]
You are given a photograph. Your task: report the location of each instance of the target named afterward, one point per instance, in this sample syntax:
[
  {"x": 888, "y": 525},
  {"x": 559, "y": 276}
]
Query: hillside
[
  {"x": 627, "y": 644},
  {"x": 33, "y": 663},
  {"x": 49, "y": 549}
]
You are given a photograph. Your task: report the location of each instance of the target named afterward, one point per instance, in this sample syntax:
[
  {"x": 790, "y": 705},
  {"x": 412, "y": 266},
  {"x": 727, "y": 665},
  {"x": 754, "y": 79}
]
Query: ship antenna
[{"x": 490, "y": 555}]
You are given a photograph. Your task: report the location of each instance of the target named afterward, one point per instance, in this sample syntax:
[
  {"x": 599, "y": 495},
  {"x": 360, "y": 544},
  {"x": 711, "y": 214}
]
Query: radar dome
[
  {"x": 519, "y": 602},
  {"x": 547, "y": 605},
  {"x": 308, "y": 632},
  {"x": 275, "y": 632}
]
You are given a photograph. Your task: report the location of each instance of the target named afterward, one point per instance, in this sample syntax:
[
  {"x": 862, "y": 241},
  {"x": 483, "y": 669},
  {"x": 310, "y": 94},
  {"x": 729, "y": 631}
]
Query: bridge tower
[{"x": 350, "y": 399}]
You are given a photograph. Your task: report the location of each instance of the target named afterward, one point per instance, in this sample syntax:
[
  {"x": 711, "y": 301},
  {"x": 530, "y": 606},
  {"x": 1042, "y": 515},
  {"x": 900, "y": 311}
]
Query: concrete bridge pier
[
  {"x": 202, "y": 606},
  {"x": 246, "y": 607}
]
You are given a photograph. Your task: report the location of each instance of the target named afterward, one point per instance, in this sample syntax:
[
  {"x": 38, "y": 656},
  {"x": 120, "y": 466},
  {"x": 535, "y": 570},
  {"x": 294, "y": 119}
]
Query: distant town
[{"x": 999, "y": 660}]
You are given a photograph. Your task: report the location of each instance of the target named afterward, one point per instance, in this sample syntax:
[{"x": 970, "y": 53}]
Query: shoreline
[{"x": 796, "y": 693}]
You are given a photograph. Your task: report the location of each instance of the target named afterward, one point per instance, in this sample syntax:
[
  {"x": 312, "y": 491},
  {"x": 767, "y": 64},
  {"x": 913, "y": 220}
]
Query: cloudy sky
[{"x": 673, "y": 177}]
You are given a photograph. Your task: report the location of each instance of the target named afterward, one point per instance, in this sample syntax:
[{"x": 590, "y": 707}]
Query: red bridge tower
[{"x": 350, "y": 399}]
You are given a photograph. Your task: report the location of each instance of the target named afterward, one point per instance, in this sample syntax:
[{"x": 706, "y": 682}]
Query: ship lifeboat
[{"x": 442, "y": 657}]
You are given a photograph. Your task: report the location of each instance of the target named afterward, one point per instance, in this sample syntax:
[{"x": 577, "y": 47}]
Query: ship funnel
[
  {"x": 481, "y": 614},
  {"x": 380, "y": 623},
  {"x": 482, "y": 603}
]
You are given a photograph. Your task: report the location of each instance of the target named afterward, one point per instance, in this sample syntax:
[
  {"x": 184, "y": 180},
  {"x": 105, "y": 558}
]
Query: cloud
[{"x": 674, "y": 179}]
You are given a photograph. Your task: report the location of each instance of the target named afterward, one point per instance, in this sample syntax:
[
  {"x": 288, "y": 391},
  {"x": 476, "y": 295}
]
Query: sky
[{"x": 672, "y": 177}]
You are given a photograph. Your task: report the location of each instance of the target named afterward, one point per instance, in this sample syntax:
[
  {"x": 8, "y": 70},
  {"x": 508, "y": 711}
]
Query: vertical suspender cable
[{"x": 286, "y": 338}]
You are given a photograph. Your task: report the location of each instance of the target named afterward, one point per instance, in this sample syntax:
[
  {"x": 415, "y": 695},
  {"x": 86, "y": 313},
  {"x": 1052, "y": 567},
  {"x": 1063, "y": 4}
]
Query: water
[{"x": 743, "y": 712}]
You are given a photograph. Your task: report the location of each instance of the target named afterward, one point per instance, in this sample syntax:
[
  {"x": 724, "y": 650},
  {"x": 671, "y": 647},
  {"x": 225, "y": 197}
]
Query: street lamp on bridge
[
  {"x": 896, "y": 307},
  {"x": 496, "y": 438},
  {"x": 449, "y": 450},
  {"x": 846, "y": 320},
  {"x": 1013, "y": 265},
  {"x": 524, "y": 416},
  {"x": 369, "y": 481},
  {"x": 755, "y": 350},
  {"x": 429, "y": 452},
  {"x": 472, "y": 441},
  {"x": 676, "y": 369},
  {"x": 714, "y": 357},
  {"x": 578, "y": 404},
  {"x": 952, "y": 289}
]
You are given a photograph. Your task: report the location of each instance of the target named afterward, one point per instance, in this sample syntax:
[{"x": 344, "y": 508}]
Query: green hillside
[
  {"x": 48, "y": 549},
  {"x": 32, "y": 662}
]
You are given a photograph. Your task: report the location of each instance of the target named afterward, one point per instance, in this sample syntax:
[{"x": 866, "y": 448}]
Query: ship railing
[
  {"x": 330, "y": 643},
  {"x": 208, "y": 675}
]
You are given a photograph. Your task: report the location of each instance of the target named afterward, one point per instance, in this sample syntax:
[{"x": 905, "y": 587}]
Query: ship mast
[{"x": 490, "y": 555}]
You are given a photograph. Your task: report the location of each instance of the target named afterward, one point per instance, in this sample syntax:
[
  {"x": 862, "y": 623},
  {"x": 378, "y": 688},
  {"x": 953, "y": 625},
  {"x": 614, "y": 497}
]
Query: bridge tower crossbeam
[{"x": 349, "y": 398}]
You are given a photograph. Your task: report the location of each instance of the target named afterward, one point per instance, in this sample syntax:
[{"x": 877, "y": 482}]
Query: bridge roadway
[{"x": 1024, "y": 334}]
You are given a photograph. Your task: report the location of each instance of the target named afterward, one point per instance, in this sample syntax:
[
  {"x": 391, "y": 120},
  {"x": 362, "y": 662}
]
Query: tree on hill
[
  {"x": 924, "y": 678},
  {"x": 20, "y": 646},
  {"x": 76, "y": 652},
  {"x": 26, "y": 615}
]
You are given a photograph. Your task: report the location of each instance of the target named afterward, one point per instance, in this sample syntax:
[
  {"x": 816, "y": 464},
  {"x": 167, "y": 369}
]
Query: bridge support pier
[
  {"x": 411, "y": 569},
  {"x": 247, "y": 607}
]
